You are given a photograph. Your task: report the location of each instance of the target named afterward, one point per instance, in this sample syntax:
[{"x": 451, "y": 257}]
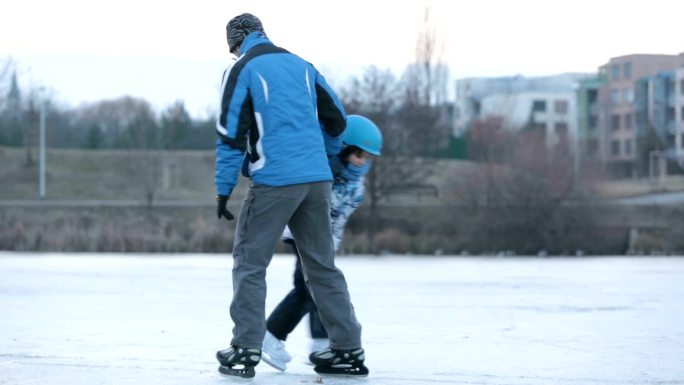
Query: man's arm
[
  {"x": 231, "y": 144},
  {"x": 331, "y": 115}
]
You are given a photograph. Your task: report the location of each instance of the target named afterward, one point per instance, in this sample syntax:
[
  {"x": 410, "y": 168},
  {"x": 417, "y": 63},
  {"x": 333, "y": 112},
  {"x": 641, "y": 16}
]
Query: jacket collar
[{"x": 253, "y": 39}]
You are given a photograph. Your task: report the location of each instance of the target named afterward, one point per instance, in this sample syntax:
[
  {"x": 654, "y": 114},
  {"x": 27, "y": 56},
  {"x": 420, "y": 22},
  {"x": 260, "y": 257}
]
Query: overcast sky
[{"x": 88, "y": 50}]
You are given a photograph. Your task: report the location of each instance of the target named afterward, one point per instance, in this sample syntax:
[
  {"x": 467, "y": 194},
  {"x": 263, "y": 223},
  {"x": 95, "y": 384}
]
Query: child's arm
[{"x": 346, "y": 198}]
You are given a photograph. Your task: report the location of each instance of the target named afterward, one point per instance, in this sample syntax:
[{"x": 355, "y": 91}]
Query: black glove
[{"x": 221, "y": 210}]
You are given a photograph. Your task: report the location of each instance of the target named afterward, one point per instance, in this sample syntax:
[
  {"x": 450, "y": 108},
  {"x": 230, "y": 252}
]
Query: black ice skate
[
  {"x": 238, "y": 362},
  {"x": 346, "y": 363}
]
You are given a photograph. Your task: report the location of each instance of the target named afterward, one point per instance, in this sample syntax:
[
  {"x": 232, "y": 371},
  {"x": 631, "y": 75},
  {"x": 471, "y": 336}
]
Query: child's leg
[{"x": 292, "y": 308}]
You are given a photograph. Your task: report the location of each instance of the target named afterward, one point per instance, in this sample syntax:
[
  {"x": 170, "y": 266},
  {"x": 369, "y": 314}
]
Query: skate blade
[
  {"x": 341, "y": 373},
  {"x": 241, "y": 375},
  {"x": 343, "y": 376},
  {"x": 274, "y": 363}
]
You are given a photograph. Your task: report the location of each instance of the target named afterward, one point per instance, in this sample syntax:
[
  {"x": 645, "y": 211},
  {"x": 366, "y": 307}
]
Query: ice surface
[{"x": 83, "y": 319}]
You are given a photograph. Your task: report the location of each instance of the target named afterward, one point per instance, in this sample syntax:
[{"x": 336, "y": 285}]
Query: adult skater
[{"x": 279, "y": 123}]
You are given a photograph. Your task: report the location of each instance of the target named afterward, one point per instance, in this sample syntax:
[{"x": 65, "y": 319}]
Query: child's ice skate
[
  {"x": 238, "y": 362},
  {"x": 346, "y": 363},
  {"x": 274, "y": 353}
]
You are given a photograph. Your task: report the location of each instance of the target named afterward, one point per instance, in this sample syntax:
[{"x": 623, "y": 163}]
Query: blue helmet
[{"x": 362, "y": 133}]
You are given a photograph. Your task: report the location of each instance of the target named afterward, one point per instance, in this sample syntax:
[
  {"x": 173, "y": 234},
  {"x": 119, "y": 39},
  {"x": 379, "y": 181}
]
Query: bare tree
[
  {"x": 410, "y": 114},
  {"x": 430, "y": 72},
  {"x": 175, "y": 125},
  {"x": 374, "y": 96},
  {"x": 523, "y": 195},
  {"x": 30, "y": 127},
  {"x": 6, "y": 65},
  {"x": 12, "y": 119},
  {"x": 425, "y": 127},
  {"x": 488, "y": 142},
  {"x": 126, "y": 122}
]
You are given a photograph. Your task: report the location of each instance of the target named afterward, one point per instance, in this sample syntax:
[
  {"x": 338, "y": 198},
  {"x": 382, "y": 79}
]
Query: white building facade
[{"x": 548, "y": 104}]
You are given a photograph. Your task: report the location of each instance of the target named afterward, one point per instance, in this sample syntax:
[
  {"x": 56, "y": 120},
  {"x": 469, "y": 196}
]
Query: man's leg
[
  {"x": 263, "y": 216},
  {"x": 310, "y": 225}
]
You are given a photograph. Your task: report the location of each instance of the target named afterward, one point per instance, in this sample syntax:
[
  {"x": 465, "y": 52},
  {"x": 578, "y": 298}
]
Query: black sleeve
[{"x": 328, "y": 113}]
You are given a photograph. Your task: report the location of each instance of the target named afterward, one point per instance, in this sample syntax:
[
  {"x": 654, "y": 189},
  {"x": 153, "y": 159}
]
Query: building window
[
  {"x": 592, "y": 97},
  {"x": 681, "y": 141},
  {"x": 615, "y": 147},
  {"x": 615, "y": 122},
  {"x": 615, "y": 72},
  {"x": 628, "y": 147},
  {"x": 593, "y": 120},
  {"x": 539, "y": 127},
  {"x": 628, "y": 95},
  {"x": 681, "y": 86},
  {"x": 539, "y": 106},
  {"x": 640, "y": 118},
  {"x": 627, "y": 70},
  {"x": 681, "y": 113},
  {"x": 477, "y": 107},
  {"x": 561, "y": 128},
  {"x": 628, "y": 121},
  {"x": 560, "y": 107},
  {"x": 615, "y": 96}
]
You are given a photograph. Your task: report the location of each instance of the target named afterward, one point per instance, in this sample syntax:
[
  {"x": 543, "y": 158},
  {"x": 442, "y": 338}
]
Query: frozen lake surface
[{"x": 81, "y": 319}]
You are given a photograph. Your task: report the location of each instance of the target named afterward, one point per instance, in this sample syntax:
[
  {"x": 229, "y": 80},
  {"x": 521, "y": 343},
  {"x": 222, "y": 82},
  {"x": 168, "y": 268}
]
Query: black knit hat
[{"x": 239, "y": 27}]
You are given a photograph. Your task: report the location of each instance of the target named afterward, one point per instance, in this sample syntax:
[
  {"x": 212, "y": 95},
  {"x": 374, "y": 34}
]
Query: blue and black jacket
[{"x": 279, "y": 122}]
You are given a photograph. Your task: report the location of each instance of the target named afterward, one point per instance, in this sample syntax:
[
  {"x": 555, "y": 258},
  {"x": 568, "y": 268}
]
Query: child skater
[{"x": 361, "y": 140}]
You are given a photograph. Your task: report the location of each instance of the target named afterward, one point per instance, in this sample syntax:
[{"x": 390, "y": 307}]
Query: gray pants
[{"x": 263, "y": 216}]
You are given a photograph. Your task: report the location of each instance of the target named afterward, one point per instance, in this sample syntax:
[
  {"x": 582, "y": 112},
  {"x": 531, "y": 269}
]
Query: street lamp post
[{"x": 41, "y": 184}]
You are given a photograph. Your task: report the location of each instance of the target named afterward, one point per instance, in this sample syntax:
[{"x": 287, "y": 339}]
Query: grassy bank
[
  {"x": 109, "y": 174},
  {"x": 442, "y": 223}
]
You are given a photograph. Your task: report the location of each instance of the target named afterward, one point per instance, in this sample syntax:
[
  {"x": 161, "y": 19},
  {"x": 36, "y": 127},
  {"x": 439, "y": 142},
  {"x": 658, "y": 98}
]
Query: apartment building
[
  {"x": 613, "y": 116},
  {"x": 588, "y": 116},
  {"x": 631, "y": 99},
  {"x": 545, "y": 103},
  {"x": 552, "y": 113}
]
